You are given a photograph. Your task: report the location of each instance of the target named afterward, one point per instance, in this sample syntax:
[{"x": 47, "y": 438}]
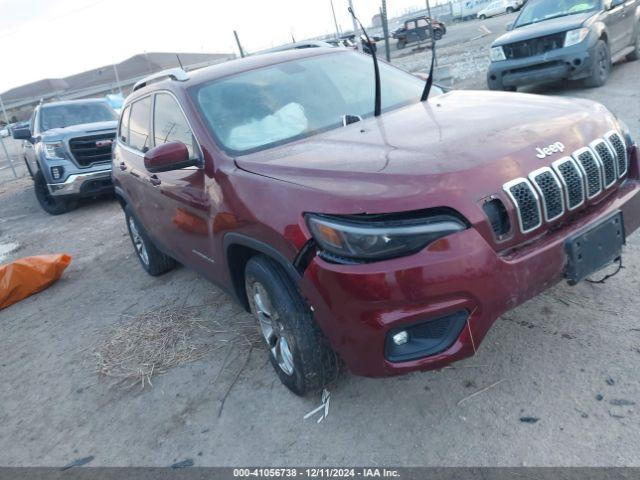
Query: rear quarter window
[
  {"x": 139, "y": 122},
  {"x": 123, "y": 132}
]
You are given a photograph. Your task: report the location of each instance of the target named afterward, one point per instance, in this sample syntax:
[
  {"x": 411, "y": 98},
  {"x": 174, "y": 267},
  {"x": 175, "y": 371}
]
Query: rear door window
[{"x": 139, "y": 137}]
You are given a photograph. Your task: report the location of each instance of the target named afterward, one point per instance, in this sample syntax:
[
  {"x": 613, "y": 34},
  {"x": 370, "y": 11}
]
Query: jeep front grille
[
  {"x": 608, "y": 160},
  {"x": 534, "y": 46},
  {"x": 617, "y": 143},
  {"x": 550, "y": 192},
  {"x": 573, "y": 184},
  {"x": 87, "y": 152},
  {"x": 591, "y": 170},
  {"x": 526, "y": 200}
]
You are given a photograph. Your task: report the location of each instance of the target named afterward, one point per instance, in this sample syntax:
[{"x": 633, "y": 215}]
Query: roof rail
[{"x": 177, "y": 74}]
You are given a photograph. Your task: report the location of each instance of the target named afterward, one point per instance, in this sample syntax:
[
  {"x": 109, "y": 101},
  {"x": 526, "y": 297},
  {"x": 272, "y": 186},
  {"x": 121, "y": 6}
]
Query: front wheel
[
  {"x": 298, "y": 350},
  {"x": 482, "y": 17},
  {"x": 400, "y": 45},
  {"x": 437, "y": 34},
  {"x": 51, "y": 204},
  {"x": 601, "y": 68},
  {"x": 510, "y": 10},
  {"x": 151, "y": 258}
]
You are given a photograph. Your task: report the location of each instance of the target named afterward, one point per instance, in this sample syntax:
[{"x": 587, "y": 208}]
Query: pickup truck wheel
[
  {"x": 152, "y": 260},
  {"x": 400, "y": 45},
  {"x": 482, "y": 17},
  {"x": 635, "y": 55},
  {"x": 601, "y": 65},
  {"x": 437, "y": 34},
  {"x": 51, "y": 204},
  {"x": 298, "y": 350}
]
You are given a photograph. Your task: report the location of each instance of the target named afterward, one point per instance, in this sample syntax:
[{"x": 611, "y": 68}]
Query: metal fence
[{"x": 11, "y": 164}]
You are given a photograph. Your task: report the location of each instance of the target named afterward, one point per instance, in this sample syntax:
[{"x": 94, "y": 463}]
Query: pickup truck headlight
[
  {"x": 54, "y": 151},
  {"x": 379, "y": 237},
  {"x": 497, "y": 54},
  {"x": 575, "y": 36}
]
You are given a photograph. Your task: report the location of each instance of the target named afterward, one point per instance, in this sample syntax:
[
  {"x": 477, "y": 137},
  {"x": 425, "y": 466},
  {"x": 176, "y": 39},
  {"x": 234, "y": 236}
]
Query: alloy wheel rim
[
  {"x": 272, "y": 330},
  {"x": 138, "y": 242}
]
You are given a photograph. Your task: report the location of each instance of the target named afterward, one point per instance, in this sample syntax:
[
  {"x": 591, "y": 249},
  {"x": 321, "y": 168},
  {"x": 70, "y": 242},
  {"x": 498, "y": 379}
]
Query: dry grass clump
[{"x": 152, "y": 343}]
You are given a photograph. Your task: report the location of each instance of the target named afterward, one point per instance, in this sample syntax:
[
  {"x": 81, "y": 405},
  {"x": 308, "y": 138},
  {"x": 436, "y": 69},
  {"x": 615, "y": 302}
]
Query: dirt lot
[{"x": 568, "y": 359}]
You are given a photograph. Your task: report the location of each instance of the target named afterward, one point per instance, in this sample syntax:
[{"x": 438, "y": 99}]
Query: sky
[{"x": 56, "y": 38}]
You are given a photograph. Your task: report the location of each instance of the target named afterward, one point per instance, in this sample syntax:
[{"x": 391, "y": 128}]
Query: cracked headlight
[
  {"x": 497, "y": 54},
  {"x": 379, "y": 237}
]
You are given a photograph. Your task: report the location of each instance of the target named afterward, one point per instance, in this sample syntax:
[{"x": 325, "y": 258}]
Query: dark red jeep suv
[{"x": 388, "y": 242}]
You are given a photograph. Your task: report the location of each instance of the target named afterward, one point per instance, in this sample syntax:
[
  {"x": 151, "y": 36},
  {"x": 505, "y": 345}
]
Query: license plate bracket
[{"x": 594, "y": 248}]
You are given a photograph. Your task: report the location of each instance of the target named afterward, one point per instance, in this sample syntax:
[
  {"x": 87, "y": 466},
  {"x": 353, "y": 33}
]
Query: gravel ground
[{"x": 566, "y": 363}]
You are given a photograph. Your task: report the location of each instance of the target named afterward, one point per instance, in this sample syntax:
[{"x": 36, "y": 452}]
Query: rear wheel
[
  {"x": 601, "y": 68},
  {"x": 51, "y": 204},
  {"x": 298, "y": 350},
  {"x": 510, "y": 10},
  {"x": 635, "y": 55},
  {"x": 482, "y": 17},
  {"x": 401, "y": 44},
  {"x": 437, "y": 34},
  {"x": 151, "y": 258}
]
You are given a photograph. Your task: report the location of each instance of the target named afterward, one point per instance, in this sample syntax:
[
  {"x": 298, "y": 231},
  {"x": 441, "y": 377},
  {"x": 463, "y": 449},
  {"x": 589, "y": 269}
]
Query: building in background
[{"x": 110, "y": 79}]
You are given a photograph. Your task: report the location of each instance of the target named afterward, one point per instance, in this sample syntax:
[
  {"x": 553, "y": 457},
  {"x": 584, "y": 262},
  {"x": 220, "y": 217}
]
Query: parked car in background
[
  {"x": 360, "y": 238},
  {"x": 418, "y": 30},
  {"x": 567, "y": 40},
  {"x": 67, "y": 151},
  {"x": 500, "y": 7}
]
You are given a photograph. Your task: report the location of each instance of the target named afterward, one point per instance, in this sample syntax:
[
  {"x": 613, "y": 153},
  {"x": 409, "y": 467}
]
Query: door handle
[
  {"x": 123, "y": 166},
  {"x": 155, "y": 181}
]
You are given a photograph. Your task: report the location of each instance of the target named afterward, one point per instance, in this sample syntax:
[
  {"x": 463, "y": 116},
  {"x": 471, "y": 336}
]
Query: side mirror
[
  {"x": 167, "y": 157},
  {"x": 21, "y": 134},
  {"x": 509, "y": 26}
]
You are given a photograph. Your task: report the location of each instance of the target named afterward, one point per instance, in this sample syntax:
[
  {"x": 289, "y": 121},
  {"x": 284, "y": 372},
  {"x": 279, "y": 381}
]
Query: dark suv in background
[
  {"x": 390, "y": 241},
  {"x": 555, "y": 40},
  {"x": 67, "y": 149}
]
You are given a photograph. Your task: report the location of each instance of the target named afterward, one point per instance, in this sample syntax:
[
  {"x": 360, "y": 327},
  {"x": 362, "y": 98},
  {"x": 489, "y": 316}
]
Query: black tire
[
  {"x": 437, "y": 34},
  {"x": 635, "y": 55},
  {"x": 51, "y": 204},
  {"x": 151, "y": 258},
  {"x": 400, "y": 45},
  {"x": 601, "y": 65},
  {"x": 483, "y": 17},
  {"x": 299, "y": 351},
  {"x": 510, "y": 10}
]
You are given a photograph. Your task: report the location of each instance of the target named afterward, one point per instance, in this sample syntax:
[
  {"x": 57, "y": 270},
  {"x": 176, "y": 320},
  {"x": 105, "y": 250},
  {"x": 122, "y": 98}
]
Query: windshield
[
  {"x": 281, "y": 103},
  {"x": 540, "y": 10},
  {"x": 60, "y": 116}
]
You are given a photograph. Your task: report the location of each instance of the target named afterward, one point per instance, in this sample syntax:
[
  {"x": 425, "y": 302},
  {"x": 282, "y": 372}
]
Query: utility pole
[
  {"x": 235, "y": 34},
  {"x": 356, "y": 31},
  {"x": 385, "y": 30},
  {"x": 335, "y": 20},
  {"x": 4, "y": 112},
  {"x": 115, "y": 69}
]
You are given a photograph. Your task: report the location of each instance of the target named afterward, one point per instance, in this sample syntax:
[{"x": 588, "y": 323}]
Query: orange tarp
[{"x": 30, "y": 275}]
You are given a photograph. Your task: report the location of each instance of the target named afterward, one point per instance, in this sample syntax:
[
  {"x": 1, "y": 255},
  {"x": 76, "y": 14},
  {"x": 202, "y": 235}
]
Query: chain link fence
[{"x": 12, "y": 165}]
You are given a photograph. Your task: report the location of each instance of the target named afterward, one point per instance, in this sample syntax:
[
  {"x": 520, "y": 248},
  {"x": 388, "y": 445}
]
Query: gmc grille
[
  {"x": 86, "y": 152},
  {"x": 549, "y": 192},
  {"x": 534, "y": 46}
]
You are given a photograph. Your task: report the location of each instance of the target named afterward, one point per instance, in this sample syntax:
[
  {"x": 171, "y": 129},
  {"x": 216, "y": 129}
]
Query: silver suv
[{"x": 67, "y": 149}]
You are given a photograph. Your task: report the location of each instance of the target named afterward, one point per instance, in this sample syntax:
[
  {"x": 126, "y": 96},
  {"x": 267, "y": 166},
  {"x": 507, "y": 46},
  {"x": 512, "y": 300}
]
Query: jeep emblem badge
[{"x": 550, "y": 150}]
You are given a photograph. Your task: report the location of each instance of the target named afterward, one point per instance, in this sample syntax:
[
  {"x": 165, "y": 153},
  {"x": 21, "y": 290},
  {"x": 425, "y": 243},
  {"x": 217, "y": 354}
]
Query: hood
[
  {"x": 546, "y": 27},
  {"x": 465, "y": 143},
  {"x": 80, "y": 130}
]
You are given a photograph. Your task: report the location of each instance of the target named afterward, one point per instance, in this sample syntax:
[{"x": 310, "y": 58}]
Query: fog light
[
  {"x": 56, "y": 172},
  {"x": 401, "y": 338}
]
